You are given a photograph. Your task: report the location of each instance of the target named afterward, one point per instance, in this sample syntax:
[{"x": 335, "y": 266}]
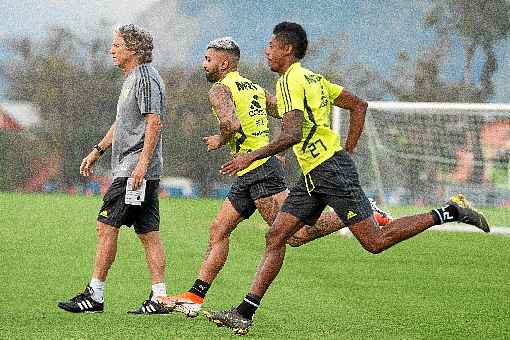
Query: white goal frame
[
  {"x": 486, "y": 110},
  {"x": 492, "y": 110}
]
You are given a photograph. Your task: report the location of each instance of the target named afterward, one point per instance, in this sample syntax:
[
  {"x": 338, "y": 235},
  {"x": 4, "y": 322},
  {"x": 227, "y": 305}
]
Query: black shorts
[
  {"x": 266, "y": 180},
  {"x": 116, "y": 212},
  {"x": 335, "y": 183}
]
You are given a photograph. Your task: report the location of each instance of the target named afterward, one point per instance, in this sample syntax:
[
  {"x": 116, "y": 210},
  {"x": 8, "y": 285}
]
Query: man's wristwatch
[{"x": 99, "y": 149}]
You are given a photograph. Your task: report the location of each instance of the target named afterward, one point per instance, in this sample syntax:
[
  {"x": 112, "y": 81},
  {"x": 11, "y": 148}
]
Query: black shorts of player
[
  {"x": 116, "y": 212},
  {"x": 335, "y": 183},
  {"x": 264, "y": 181}
]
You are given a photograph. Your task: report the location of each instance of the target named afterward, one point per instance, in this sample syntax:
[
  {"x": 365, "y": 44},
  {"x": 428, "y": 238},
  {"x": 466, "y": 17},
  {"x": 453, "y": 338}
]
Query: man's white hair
[{"x": 225, "y": 43}]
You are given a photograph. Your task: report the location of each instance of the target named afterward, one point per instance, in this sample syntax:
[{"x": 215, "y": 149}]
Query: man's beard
[{"x": 210, "y": 77}]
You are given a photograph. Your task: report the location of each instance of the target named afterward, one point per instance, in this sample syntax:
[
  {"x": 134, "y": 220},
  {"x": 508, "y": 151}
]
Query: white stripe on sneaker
[
  {"x": 81, "y": 307},
  {"x": 88, "y": 303}
]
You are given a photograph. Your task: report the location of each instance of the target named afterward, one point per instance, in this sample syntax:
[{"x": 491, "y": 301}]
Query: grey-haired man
[{"x": 137, "y": 164}]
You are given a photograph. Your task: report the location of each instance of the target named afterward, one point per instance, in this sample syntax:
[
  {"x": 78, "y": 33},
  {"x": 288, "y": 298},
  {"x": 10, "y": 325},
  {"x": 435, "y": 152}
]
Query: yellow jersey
[
  {"x": 311, "y": 93},
  {"x": 250, "y": 104}
]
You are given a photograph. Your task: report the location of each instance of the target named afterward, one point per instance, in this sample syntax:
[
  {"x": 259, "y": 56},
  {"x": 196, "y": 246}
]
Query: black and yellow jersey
[
  {"x": 250, "y": 103},
  {"x": 311, "y": 93}
]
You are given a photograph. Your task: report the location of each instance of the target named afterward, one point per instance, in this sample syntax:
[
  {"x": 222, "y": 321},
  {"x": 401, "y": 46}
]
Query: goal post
[{"x": 421, "y": 153}]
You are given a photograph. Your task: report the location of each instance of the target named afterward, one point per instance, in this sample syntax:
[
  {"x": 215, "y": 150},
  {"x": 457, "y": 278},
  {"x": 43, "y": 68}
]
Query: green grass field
[{"x": 438, "y": 285}]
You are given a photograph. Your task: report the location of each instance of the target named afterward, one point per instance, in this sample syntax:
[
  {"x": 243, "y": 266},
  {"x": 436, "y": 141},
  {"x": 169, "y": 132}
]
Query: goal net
[{"x": 422, "y": 153}]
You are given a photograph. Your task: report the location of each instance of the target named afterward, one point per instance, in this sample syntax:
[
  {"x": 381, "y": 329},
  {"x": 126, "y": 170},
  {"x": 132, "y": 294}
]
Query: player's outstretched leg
[
  {"x": 376, "y": 240},
  {"x": 329, "y": 222},
  {"x": 467, "y": 214}
]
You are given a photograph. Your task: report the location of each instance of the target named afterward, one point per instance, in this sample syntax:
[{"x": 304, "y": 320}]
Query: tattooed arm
[
  {"x": 271, "y": 108},
  {"x": 222, "y": 103},
  {"x": 290, "y": 134}
]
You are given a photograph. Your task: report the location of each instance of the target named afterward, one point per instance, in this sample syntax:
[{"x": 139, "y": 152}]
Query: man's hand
[
  {"x": 138, "y": 174},
  {"x": 88, "y": 162},
  {"x": 238, "y": 163},
  {"x": 213, "y": 142}
]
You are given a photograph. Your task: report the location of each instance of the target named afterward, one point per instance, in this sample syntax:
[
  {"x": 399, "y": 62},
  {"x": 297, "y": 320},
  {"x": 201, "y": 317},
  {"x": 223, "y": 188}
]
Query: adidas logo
[
  {"x": 85, "y": 305},
  {"x": 104, "y": 213},
  {"x": 255, "y": 107},
  {"x": 149, "y": 308},
  {"x": 351, "y": 214}
]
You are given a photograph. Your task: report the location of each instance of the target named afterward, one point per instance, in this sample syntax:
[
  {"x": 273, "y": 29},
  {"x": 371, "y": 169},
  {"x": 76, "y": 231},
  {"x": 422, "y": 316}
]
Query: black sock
[
  {"x": 249, "y": 305},
  {"x": 200, "y": 288},
  {"x": 448, "y": 213}
]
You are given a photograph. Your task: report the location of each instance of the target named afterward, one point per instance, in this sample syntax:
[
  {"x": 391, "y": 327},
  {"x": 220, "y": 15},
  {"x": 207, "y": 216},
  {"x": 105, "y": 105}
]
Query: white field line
[
  {"x": 462, "y": 228},
  {"x": 452, "y": 227}
]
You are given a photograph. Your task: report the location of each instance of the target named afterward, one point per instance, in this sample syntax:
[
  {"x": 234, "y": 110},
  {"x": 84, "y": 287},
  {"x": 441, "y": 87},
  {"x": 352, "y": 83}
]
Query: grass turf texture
[{"x": 434, "y": 286}]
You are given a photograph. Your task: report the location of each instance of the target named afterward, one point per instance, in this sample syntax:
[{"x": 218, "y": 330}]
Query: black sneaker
[
  {"x": 230, "y": 318},
  {"x": 151, "y": 307},
  {"x": 468, "y": 214},
  {"x": 82, "y": 303}
]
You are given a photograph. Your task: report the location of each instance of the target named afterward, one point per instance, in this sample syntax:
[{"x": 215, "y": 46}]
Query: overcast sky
[
  {"x": 20, "y": 17},
  {"x": 395, "y": 25}
]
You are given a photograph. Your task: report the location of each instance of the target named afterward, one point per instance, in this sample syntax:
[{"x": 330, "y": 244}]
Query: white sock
[
  {"x": 158, "y": 289},
  {"x": 98, "y": 287}
]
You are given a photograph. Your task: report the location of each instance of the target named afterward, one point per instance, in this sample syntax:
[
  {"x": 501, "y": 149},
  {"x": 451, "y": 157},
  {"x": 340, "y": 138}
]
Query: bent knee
[
  {"x": 295, "y": 242},
  {"x": 374, "y": 248}
]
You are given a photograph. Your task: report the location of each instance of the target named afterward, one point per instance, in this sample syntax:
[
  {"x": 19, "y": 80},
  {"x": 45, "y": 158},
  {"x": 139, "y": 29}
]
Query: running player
[
  {"x": 305, "y": 100},
  {"x": 242, "y": 109}
]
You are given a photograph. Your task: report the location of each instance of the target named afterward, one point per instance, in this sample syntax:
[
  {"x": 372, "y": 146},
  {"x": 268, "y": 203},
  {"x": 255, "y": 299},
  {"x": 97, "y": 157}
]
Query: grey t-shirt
[{"x": 143, "y": 92}]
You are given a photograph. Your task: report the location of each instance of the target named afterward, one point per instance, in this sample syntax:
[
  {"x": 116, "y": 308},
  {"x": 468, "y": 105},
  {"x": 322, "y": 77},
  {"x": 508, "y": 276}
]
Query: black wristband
[{"x": 99, "y": 149}]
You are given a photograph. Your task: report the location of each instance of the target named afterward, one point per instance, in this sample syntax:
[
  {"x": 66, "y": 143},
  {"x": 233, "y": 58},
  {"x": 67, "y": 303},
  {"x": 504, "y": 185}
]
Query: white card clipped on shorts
[{"x": 135, "y": 197}]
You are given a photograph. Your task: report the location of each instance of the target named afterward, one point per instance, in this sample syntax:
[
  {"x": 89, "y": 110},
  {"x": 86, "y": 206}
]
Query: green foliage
[
  {"x": 438, "y": 285},
  {"x": 189, "y": 120},
  {"x": 74, "y": 89}
]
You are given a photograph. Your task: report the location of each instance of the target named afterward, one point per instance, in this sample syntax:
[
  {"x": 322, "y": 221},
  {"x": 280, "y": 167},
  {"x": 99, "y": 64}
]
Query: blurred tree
[
  {"x": 74, "y": 89},
  {"x": 480, "y": 24},
  {"x": 189, "y": 119}
]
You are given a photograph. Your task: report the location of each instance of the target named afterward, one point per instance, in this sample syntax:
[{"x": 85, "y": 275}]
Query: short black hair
[{"x": 292, "y": 34}]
